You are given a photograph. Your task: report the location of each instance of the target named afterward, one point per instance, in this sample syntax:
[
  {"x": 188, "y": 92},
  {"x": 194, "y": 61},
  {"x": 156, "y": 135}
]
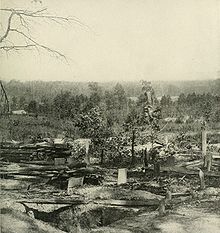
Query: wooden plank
[
  {"x": 38, "y": 162},
  {"x": 182, "y": 170},
  {"x": 181, "y": 194},
  {"x": 42, "y": 168},
  {"x": 22, "y": 172},
  {"x": 52, "y": 201},
  {"x": 184, "y": 164},
  {"x": 112, "y": 202}
]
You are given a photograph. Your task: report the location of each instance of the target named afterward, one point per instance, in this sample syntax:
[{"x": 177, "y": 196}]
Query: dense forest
[
  {"x": 103, "y": 110},
  {"x": 116, "y": 100}
]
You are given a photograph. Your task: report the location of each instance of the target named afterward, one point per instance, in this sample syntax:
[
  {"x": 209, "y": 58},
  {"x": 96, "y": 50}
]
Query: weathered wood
[
  {"x": 215, "y": 156},
  {"x": 162, "y": 207},
  {"x": 202, "y": 180},
  {"x": 216, "y": 163},
  {"x": 52, "y": 201},
  {"x": 204, "y": 144},
  {"x": 16, "y": 152},
  {"x": 194, "y": 162},
  {"x": 45, "y": 168},
  {"x": 86, "y": 170},
  {"x": 39, "y": 191},
  {"x": 182, "y": 170},
  {"x": 209, "y": 164},
  {"x": 25, "y": 175},
  {"x": 38, "y": 162},
  {"x": 31, "y": 171},
  {"x": 153, "y": 202},
  {"x": 174, "y": 195}
]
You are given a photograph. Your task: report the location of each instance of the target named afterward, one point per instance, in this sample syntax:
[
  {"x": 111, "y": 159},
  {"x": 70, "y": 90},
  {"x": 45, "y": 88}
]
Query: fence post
[{"x": 204, "y": 145}]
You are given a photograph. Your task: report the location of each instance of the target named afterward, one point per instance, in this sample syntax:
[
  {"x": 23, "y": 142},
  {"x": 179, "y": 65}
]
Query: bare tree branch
[
  {"x": 39, "y": 45},
  {"x": 8, "y": 28},
  {"x": 16, "y": 47},
  {"x": 38, "y": 14},
  {"x": 24, "y": 16}
]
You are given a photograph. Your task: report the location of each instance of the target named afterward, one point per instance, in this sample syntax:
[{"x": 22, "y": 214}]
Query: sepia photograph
[{"x": 110, "y": 116}]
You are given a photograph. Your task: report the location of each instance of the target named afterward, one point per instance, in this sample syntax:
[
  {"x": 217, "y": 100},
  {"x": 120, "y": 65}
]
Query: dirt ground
[
  {"x": 184, "y": 219},
  {"x": 199, "y": 212},
  {"x": 193, "y": 217}
]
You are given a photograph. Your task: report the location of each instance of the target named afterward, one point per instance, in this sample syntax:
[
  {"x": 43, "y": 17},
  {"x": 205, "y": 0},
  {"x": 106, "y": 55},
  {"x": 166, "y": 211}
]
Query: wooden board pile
[{"x": 31, "y": 152}]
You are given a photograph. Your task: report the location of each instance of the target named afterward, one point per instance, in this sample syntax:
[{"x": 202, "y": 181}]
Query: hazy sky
[{"x": 126, "y": 40}]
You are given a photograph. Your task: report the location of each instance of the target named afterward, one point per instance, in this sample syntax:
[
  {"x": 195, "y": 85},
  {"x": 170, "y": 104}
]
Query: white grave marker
[{"x": 122, "y": 176}]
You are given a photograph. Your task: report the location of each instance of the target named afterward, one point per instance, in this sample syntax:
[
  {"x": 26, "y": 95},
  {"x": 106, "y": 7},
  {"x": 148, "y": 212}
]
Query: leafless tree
[{"x": 19, "y": 22}]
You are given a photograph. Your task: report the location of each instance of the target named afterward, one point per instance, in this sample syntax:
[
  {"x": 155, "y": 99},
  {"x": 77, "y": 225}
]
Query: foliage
[
  {"x": 110, "y": 118},
  {"x": 92, "y": 125},
  {"x": 117, "y": 151},
  {"x": 32, "y": 107}
]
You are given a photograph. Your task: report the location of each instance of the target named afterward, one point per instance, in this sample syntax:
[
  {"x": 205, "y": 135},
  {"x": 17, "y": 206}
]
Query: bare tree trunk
[
  {"x": 146, "y": 158},
  {"x": 4, "y": 95}
]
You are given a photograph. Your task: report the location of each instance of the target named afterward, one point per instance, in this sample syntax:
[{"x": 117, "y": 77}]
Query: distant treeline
[
  {"x": 118, "y": 102},
  {"x": 40, "y": 89},
  {"x": 194, "y": 106}
]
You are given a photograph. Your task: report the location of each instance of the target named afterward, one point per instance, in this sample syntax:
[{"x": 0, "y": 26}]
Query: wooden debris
[
  {"x": 152, "y": 202},
  {"x": 204, "y": 145},
  {"x": 168, "y": 195},
  {"x": 174, "y": 195},
  {"x": 202, "y": 180},
  {"x": 162, "y": 208},
  {"x": 53, "y": 201},
  {"x": 182, "y": 170},
  {"x": 190, "y": 163}
]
